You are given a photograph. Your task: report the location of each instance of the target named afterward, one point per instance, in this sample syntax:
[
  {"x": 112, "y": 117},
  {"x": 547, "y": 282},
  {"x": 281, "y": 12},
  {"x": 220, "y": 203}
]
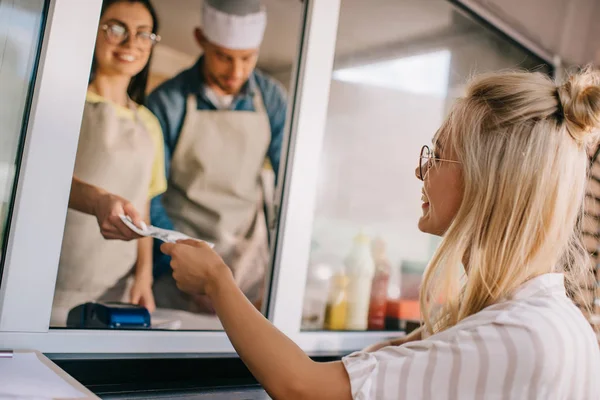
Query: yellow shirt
[{"x": 158, "y": 182}]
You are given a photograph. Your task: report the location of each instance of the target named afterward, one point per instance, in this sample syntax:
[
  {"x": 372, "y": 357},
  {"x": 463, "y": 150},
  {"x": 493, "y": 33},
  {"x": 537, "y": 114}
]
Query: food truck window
[{"x": 194, "y": 145}]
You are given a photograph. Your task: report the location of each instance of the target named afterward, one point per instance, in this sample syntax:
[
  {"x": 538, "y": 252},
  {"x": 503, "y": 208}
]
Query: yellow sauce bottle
[{"x": 337, "y": 304}]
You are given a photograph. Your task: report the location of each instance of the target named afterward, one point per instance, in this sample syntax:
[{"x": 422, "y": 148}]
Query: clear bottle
[
  {"x": 379, "y": 287},
  {"x": 337, "y": 303},
  {"x": 316, "y": 296},
  {"x": 360, "y": 269}
]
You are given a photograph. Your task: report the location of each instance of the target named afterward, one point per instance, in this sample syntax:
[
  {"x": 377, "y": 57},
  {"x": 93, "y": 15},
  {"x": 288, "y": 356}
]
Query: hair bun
[{"x": 580, "y": 101}]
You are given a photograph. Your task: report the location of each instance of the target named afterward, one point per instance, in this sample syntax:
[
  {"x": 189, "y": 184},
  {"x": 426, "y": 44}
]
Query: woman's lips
[
  {"x": 125, "y": 57},
  {"x": 425, "y": 200}
]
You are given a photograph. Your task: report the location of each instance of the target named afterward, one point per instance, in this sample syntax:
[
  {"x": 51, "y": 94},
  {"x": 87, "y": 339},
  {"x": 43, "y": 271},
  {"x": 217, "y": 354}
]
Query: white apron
[
  {"x": 215, "y": 193},
  {"x": 115, "y": 154}
]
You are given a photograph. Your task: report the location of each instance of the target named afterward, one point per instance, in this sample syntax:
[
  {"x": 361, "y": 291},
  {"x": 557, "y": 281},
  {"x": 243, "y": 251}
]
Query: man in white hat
[{"x": 221, "y": 119}]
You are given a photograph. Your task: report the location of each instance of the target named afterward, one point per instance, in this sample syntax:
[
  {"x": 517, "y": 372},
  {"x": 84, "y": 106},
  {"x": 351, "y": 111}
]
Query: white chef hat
[{"x": 234, "y": 24}]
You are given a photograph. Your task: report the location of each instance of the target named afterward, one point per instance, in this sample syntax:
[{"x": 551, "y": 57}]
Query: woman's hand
[
  {"x": 197, "y": 269},
  {"x": 141, "y": 292},
  {"x": 108, "y": 209}
]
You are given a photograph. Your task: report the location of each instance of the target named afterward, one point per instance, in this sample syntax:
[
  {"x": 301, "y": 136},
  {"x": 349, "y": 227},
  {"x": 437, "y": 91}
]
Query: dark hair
[{"x": 138, "y": 84}]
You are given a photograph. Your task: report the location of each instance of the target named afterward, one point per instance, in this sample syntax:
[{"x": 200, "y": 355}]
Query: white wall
[
  {"x": 166, "y": 63},
  {"x": 367, "y": 174}
]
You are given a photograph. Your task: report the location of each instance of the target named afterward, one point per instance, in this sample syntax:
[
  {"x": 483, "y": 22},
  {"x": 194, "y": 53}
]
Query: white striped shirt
[{"x": 537, "y": 345}]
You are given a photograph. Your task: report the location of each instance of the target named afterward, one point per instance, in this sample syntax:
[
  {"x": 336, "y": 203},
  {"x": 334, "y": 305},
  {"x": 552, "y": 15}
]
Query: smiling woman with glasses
[{"x": 118, "y": 169}]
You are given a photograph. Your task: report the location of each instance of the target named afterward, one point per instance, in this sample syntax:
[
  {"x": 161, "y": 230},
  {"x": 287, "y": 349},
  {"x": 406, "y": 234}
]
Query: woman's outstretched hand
[{"x": 197, "y": 269}]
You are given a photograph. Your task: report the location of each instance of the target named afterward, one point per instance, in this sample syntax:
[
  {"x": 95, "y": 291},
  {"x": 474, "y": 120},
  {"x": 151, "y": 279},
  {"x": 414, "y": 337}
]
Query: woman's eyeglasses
[
  {"x": 118, "y": 34},
  {"x": 426, "y": 159}
]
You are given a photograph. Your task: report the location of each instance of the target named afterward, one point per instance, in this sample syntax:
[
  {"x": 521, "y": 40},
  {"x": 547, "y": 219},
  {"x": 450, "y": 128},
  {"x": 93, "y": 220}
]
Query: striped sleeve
[
  {"x": 483, "y": 362},
  {"x": 417, "y": 370}
]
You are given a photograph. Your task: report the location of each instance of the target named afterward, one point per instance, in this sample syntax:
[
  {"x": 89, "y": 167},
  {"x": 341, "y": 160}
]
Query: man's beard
[{"x": 226, "y": 89}]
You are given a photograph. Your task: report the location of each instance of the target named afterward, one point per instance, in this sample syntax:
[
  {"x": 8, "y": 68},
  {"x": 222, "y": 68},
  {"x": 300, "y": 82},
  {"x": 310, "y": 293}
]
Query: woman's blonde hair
[{"x": 522, "y": 141}]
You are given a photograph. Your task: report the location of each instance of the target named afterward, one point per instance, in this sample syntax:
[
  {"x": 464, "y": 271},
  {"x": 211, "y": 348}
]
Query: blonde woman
[{"x": 504, "y": 184}]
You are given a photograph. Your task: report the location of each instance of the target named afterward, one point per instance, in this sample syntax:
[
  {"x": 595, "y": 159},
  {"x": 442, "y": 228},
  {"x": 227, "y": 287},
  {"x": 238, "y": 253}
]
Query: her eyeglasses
[
  {"x": 426, "y": 159},
  {"x": 118, "y": 34}
]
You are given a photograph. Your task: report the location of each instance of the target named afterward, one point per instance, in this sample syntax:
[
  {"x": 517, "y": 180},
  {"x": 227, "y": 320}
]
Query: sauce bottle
[
  {"x": 393, "y": 321},
  {"x": 360, "y": 269},
  {"x": 379, "y": 287},
  {"x": 337, "y": 303}
]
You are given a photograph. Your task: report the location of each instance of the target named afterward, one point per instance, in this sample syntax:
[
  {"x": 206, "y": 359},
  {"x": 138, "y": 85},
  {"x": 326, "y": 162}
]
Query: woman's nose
[{"x": 127, "y": 43}]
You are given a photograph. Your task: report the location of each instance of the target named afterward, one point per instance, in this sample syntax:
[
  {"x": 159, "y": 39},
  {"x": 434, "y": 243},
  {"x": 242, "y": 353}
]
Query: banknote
[{"x": 165, "y": 235}]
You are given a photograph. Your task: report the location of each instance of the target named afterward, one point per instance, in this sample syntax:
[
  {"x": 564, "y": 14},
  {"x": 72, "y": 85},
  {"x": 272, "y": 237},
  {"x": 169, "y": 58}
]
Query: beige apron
[
  {"x": 116, "y": 154},
  {"x": 215, "y": 191}
]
